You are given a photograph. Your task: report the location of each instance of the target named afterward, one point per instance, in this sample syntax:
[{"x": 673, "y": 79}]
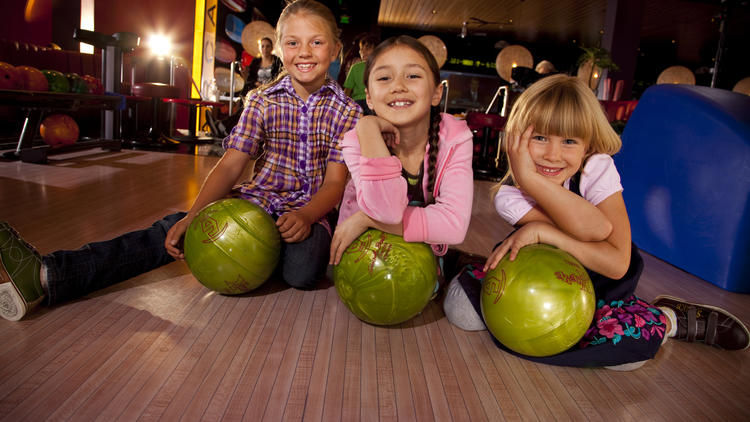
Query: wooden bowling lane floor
[{"x": 162, "y": 347}]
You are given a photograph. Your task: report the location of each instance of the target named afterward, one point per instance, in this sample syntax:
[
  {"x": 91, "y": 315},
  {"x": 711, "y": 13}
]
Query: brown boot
[{"x": 706, "y": 324}]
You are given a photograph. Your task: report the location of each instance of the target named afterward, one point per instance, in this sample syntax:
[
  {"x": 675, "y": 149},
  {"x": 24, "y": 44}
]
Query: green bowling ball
[
  {"x": 541, "y": 303},
  {"x": 232, "y": 246},
  {"x": 56, "y": 80},
  {"x": 385, "y": 280}
]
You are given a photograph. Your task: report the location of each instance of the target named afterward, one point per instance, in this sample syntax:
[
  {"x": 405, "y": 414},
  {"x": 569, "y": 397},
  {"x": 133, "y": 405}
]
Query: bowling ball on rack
[
  {"x": 232, "y": 246},
  {"x": 9, "y": 78},
  {"x": 56, "y": 80},
  {"x": 94, "y": 84},
  {"x": 539, "y": 304},
  {"x": 32, "y": 79},
  {"x": 77, "y": 84},
  {"x": 58, "y": 130}
]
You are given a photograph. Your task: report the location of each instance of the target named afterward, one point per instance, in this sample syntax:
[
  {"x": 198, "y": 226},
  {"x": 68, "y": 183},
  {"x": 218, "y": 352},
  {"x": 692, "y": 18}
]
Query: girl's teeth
[
  {"x": 305, "y": 66},
  {"x": 400, "y": 103}
]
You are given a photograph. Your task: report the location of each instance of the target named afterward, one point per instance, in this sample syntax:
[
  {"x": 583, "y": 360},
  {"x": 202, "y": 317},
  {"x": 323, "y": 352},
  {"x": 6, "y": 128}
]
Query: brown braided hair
[{"x": 433, "y": 137}]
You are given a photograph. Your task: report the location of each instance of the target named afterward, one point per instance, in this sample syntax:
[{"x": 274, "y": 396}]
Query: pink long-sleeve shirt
[{"x": 379, "y": 190}]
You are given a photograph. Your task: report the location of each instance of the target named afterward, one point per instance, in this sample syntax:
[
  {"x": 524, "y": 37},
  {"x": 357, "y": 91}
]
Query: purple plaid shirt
[{"x": 299, "y": 139}]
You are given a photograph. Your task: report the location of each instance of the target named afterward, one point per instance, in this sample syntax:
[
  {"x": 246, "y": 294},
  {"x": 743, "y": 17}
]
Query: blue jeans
[{"x": 71, "y": 274}]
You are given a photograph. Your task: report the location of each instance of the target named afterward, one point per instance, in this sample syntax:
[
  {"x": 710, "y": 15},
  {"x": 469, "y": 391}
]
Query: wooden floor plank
[
  {"x": 278, "y": 370},
  {"x": 402, "y": 391},
  {"x": 448, "y": 376},
  {"x": 229, "y": 380},
  {"x": 86, "y": 357},
  {"x": 244, "y": 388},
  {"x": 350, "y": 406},
  {"x": 189, "y": 363},
  {"x": 222, "y": 367},
  {"x": 470, "y": 361},
  {"x": 169, "y": 359},
  {"x": 368, "y": 399},
  {"x": 319, "y": 379},
  {"x": 438, "y": 399},
  {"x": 300, "y": 380},
  {"x": 332, "y": 404},
  {"x": 467, "y": 385},
  {"x": 203, "y": 360},
  {"x": 420, "y": 393},
  {"x": 495, "y": 380}
]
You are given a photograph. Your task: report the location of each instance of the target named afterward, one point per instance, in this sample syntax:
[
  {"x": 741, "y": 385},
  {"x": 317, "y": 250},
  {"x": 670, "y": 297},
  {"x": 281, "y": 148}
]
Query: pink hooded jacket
[{"x": 379, "y": 190}]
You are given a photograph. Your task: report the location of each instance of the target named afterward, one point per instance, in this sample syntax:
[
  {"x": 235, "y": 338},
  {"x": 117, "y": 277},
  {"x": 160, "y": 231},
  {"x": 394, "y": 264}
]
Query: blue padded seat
[{"x": 685, "y": 167}]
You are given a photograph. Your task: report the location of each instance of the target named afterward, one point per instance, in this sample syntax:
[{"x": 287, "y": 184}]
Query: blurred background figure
[
  {"x": 354, "y": 85},
  {"x": 545, "y": 67}
]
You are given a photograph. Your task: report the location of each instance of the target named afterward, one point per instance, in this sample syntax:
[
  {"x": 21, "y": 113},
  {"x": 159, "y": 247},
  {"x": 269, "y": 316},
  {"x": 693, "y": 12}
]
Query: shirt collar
[{"x": 285, "y": 84}]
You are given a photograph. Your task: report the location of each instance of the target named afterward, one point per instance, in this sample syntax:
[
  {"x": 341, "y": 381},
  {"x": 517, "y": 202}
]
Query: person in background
[
  {"x": 545, "y": 67},
  {"x": 264, "y": 69},
  {"x": 354, "y": 86}
]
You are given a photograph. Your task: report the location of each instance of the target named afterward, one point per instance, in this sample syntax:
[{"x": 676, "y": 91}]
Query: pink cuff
[{"x": 413, "y": 225}]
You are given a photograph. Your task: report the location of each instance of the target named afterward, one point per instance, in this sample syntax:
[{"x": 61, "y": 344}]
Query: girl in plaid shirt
[{"x": 289, "y": 131}]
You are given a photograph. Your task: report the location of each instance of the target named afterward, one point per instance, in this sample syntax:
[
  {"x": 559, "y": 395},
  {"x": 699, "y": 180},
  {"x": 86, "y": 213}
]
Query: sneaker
[
  {"x": 706, "y": 324},
  {"x": 20, "y": 287}
]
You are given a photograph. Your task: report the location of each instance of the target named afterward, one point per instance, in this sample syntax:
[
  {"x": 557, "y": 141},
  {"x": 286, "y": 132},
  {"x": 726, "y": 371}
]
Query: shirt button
[
  {"x": 303, "y": 137},
  {"x": 304, "y": 109},
  {"x": 302, "y": 163}
]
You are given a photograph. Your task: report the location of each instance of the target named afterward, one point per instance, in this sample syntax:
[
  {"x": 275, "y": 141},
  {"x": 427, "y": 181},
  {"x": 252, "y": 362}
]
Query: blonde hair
[
  {"x": 312, "y": 8},
  {"x": 564, "y": 106}
]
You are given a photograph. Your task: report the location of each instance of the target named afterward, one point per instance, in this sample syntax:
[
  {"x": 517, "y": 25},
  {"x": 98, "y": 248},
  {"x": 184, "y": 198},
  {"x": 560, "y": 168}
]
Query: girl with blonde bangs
[{"x": 563, "y": 189}]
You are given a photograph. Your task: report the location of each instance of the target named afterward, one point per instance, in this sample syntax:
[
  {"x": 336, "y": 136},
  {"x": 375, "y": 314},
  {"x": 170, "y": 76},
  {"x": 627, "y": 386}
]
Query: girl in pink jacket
[{"x": 410, "y": 164}]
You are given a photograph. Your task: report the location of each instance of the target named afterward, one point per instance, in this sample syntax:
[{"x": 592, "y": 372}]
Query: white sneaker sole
[{"x": 12, "y": 305}]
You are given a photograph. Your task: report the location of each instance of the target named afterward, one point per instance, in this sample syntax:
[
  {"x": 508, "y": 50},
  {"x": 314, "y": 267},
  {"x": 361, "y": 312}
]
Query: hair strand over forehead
[
  {"x": 564, "y": 106},
  {"x": 406, "y": 41},
  {"x": 313, "y": 8}
]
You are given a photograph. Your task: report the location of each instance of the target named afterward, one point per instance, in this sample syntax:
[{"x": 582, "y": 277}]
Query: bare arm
[
  {"x": 375, "y": 135},
  {"x": 609, "y": 257},
  {"x": 218, "y": 183}
]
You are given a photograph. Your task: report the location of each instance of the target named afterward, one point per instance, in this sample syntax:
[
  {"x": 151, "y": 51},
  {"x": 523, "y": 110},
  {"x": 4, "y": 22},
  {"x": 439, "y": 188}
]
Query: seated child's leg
[
  {"x": 304, "y": 263},
  {"x": 462, "y": 300},
  {"x": 94, "y": 266}
]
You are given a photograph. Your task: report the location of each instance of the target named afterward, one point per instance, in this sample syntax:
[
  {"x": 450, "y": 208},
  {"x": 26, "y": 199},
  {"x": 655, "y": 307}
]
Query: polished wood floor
[{"x": 162, "y": 347}]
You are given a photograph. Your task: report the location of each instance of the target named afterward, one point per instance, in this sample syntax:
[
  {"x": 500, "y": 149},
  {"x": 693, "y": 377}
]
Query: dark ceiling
[{"x": 689, "y": 25}]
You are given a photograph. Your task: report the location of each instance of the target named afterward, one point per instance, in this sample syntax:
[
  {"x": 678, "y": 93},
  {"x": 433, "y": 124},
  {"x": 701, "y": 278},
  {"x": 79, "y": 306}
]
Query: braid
[{"x": 433, "y": 139}]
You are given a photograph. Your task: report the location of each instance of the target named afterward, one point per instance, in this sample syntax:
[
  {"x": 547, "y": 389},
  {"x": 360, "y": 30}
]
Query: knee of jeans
[
  {"x": 303, "y": 278},
  {"x": 167, "y": 222}
]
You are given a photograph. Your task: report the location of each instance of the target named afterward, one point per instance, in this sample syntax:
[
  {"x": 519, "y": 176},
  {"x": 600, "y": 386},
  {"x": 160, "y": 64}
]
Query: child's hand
[
  {"x": 519, "y": 157},
  {"x": 527, "y": 235},
  {"x": 293, "y": 227},
  {"x": 173, "y": 242},
  {"x": 345, "y": 234},
  {"x": 369, "y": 126}
]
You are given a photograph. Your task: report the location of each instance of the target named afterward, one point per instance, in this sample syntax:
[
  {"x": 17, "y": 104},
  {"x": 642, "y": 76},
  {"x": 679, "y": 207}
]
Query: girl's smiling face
[
  {"x": 307, "y": 50},
  {"x": 557, "y": 158},
  {"x": 400, "y": 88}
]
